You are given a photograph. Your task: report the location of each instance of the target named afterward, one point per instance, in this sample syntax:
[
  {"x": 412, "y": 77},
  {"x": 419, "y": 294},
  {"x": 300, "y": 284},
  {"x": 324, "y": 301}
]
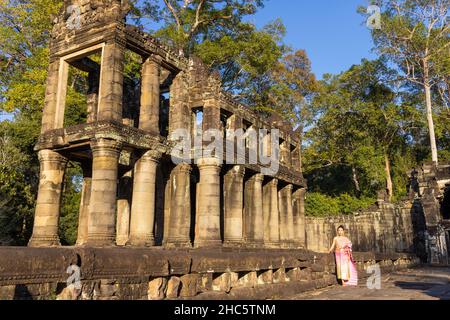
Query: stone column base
[
  {"x": 208, "y": 244},
  {"x": 177, "y": 244},
  {"x": 52, "y": 241},
  {"x": 255, "y": 244},
  {"x": 272, "y": 245},
  {"x": 141, "y": 242},
  {"x": 122, "y": 241},
  {"x": 233, "y": 243},
  {"x": 100, "y": 241}
]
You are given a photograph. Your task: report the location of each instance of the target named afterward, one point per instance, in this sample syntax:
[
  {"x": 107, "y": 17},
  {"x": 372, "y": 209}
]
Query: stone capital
[
  {"x": 208, "y": 162},
  {"x": 152, "y": 155},
  {"x": 102, "y": 145},
  {"x": 300, "y": 193},
  {"x": 51, "y": 156},
  {"x": 153, "y": 61},
  {"x": 183, "y": 168},
  {"x": 237, "y": 171},
  {"x": 259, "y": 177}
]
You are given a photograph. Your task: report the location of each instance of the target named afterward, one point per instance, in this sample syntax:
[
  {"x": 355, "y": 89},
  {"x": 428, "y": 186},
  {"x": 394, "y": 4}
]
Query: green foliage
[
  {"x": 18, "y": 182},
  {"x": 319, "y": 204},
  {"x": 68, "y": 226}
]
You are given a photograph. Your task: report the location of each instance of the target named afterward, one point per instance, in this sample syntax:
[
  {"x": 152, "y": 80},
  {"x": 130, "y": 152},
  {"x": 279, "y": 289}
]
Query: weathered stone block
[
  {"x": 206, "y": 281},
  {"x": 156, "y": 288},
  {"x": 248, "y": 279},
  {"x": 222, "y": 282},
  {"x": 173, "y": 288},
  {"x": 265, "y": 277},
  {"x": 7, "y": 292},
  {"x": 69, "y": 293},
  {"x": 189, "y": 285},
  {"x": 279, "y": 276},
  {"x": 293, "y": 274}
]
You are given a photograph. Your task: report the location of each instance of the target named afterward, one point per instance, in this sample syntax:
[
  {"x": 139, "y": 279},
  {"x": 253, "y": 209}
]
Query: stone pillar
[
  {"x": 207, "y": 229},
  {"x": 150, "y": 97},
  {"x": 83, "y": 216},
  {"x": 299, "y": 217},
  {"x": 92, "y": 96},
  {"x": 102, "y": 208},
  {"x": 233, "y": 206},
  {"x": 271, "y": 214},
  {"x": 111, "y": 83},
  {"x": 46, "y": 219},
  {"x": 124, "y": 208},
  {"x": 180, "y": 112},
  {"x": 179, "y": 222},
  {"x": 286, "y": 216},
  {"x": 143, "y": 206},
  {"x": 254, "y": 217},
  {"x": 51, "y": 93},
  {"x": 290, "y": 213}
]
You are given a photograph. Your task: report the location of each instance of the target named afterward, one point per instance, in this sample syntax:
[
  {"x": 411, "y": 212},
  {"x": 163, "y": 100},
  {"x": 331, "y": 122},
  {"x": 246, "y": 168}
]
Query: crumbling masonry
[
  {"x": 132, "y": 192},
  {"x": 153, "y": 229}
]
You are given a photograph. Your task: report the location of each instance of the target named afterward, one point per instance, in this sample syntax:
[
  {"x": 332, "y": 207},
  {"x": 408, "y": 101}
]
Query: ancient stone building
[
  {"x": 133, "y": 193},
  {"x": 430, "y": 187},
  {"x": 231, "y": 228}
]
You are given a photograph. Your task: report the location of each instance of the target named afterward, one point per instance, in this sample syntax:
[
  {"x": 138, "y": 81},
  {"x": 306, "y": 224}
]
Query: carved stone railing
[{"x": 27, "y": 273}]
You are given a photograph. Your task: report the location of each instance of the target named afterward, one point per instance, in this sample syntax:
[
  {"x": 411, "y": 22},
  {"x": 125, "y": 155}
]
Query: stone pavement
[{"x": 426, "y": 283}]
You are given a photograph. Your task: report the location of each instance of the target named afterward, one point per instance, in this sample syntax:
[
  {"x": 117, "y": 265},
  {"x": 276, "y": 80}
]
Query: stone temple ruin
[
  {"x": 130, "y": 140},
  {"x": 152, "y": 229}
]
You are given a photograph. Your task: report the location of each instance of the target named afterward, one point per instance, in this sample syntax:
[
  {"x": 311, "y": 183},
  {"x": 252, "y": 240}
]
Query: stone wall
[
  {"x": 152, "y": 274},
  {"x": 383, "y": 228}
]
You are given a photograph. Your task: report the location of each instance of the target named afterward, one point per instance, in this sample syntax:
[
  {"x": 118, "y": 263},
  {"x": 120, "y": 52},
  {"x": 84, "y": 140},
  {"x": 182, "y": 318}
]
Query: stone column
[
  {"x": 84, "y": 206},
  {"x": 143, "y": 206},
  {"x": 124, "y": 208},
  {"x": 207, "y": 229},
  {"x": 92, "y": 96},
  {"x": 46, "y": 219},
  {"x": 290, "y": 214},
  {"x": 180, "y": 207},
  {"x": 233, "y": 206},
  {"x": 51, "y": 93},
  {"x": 102, "y": 208},
  {"x": 180, "y": 112},
  {"x": 271, "y": 214},
  {"x": 299, "y": 210},
  {"x": 111, "y": 83},
  {"x": 286, "y": 216},
  {"x": 150, "y": 97},
  {"x": 285, "y": 154},
  {"x": 254, "y": 225}
]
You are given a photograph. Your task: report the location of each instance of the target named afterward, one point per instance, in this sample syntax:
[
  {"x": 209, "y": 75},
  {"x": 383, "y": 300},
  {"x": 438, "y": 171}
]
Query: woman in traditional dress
[{"x": 345, "y": 265}]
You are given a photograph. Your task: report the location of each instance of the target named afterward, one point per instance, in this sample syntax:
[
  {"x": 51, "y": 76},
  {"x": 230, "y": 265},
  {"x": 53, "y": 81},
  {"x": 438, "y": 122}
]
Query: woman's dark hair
[{"x": 341, "y": 227}]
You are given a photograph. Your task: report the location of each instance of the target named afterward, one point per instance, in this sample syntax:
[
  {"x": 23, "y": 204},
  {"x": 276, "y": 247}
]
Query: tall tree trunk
[
  {"x": 389, "y": 187},
  {"x": 355, "y": 181},
  {"x": 427, "y": 87}
]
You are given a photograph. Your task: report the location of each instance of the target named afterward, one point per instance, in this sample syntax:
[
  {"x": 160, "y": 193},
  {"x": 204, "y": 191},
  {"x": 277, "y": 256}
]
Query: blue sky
[{"x": 333, "y": 34}]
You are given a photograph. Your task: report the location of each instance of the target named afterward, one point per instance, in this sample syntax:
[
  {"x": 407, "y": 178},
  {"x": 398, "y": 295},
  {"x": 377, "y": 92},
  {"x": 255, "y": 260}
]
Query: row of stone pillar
[{"x": 255, "y": 215}]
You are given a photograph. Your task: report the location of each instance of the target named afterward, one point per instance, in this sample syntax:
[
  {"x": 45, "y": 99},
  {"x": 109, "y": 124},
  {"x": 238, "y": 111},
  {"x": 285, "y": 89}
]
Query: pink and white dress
[{"x": 345, "y": 265}]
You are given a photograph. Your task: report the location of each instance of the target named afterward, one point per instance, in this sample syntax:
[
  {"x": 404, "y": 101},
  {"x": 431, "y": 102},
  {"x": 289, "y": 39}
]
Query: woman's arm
[{"x": 332, "y": 246}]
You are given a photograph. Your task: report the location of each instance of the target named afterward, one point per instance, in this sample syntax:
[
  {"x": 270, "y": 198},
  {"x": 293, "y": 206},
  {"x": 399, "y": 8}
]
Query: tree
[
  {"x": 216, "y": 32},
  {"x": 24, "y": 34},
  {"x": 415, "y": 36},
  {"x": 363, "y": 124},
  {"x": 339, "y": 140},
  {"x": 18, "y": 185},
  {"x": 188, "y": 22},
  {"x": 294, "y": 86}
]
